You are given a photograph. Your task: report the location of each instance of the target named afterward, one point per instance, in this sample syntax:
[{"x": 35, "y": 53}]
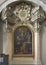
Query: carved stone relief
[{"x": 23, "y": 14}]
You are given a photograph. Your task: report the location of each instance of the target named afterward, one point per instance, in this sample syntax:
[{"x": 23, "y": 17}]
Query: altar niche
[{"x": 23, "y": 42}]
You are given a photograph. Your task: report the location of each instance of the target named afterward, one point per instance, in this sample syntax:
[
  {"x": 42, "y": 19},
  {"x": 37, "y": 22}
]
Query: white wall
[{"x": 43, "y": 43}]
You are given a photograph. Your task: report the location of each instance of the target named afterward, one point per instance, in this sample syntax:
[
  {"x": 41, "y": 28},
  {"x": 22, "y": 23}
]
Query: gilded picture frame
[{"x": 24, "y": 55}]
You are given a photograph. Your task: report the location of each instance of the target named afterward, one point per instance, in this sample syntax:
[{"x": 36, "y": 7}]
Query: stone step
[{"x": 23, "y": 64}]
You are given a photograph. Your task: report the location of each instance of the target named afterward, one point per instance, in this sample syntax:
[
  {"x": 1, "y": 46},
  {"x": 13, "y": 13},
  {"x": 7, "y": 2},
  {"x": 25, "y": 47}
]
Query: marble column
[
  {"x": 7, "y": 43},
  {"x": 37, "y": 45}
]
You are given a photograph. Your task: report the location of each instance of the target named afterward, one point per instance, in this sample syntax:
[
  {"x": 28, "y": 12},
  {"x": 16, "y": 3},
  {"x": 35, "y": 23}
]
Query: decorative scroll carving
[
  {"x": 37, "y": 14},
  {"x": 3, "y": 16},
  {"x": 23, "y": 14},
  {"x": 37, "y": 17}
]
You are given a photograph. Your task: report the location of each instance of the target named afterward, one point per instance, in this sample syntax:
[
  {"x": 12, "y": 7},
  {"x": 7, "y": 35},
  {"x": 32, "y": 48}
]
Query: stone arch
[{"x": 38, "y": 2}]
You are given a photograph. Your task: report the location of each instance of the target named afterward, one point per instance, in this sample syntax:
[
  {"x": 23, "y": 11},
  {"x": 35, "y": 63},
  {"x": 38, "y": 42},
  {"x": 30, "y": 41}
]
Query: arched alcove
[{"x": 27, "y": 15}]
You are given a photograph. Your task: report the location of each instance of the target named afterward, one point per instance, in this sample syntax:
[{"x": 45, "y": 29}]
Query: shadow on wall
[
  {"x": 1, "y": 37},
  {"x": 43, "y": 44}
]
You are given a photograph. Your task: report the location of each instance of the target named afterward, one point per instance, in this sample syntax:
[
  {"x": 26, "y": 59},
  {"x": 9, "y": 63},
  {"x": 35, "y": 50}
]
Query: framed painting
[{"x": 23, "y": 42}]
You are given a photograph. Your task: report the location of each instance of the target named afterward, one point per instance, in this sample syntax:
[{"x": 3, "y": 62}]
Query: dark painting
[{"x": 22, "y": 41}]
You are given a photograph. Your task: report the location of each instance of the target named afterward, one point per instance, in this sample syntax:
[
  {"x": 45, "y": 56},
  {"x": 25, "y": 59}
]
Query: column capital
[
  {"x": 37, "y": 26},
  {"x": 38, "y": 14},
  {"x": 37, "y": 17}
]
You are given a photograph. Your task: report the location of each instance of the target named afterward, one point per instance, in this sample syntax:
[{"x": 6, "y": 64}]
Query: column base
[
  {"x": 25, "y": 62},
  {"x": 37, "y": 63}
]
